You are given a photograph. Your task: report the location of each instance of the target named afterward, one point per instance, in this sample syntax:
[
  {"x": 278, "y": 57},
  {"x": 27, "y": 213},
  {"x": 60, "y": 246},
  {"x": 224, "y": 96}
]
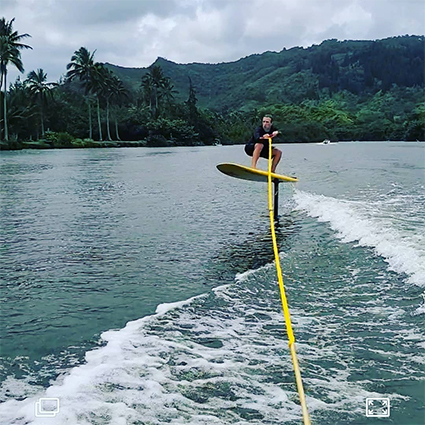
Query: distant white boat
[{"x": 326, "y": 142}]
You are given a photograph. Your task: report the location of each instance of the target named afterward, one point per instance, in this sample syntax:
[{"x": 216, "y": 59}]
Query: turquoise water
[{"x": 138, "y": 286}]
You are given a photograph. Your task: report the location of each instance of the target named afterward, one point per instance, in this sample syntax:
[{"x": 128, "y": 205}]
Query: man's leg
[
  {"x": 256, "y": 154},
  {"x": 277, "y": 154}
]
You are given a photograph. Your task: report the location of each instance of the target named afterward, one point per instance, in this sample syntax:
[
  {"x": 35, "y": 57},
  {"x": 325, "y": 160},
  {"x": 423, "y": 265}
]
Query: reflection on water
[{"x": 255, "y": 251}]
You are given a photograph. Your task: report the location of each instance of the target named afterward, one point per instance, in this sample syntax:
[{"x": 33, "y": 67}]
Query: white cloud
[
  {"x": 353, "y": 20},
  {"x": 134, "y": 32}
]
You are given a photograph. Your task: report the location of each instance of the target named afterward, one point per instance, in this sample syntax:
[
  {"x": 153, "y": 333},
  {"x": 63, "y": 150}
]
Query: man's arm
[
  {"x": 274, "y": 132},
  {"x": 271, "y": 135},
  {"x": 258, "y": 134}
]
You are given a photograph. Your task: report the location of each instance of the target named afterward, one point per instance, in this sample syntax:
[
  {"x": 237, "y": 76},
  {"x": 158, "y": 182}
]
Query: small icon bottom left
[{"x": 47, "y": 407}]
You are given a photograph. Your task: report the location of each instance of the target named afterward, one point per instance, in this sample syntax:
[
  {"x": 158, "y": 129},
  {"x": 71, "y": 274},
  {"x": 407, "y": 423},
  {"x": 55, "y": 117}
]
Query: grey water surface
[{"x": 138, "y": 286}]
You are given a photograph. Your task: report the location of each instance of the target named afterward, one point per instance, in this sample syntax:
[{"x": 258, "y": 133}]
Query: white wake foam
[{"x": 373, "y": 226}]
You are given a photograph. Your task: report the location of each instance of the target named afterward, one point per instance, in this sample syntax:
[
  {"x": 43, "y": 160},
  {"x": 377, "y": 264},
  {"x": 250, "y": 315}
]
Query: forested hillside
[
  {"x": 338, "y": 90},
  {"x": 361, "y": 68}
]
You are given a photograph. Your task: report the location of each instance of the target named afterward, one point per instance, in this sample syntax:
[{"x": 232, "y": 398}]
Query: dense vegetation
[{"x": 351, "y": 90}]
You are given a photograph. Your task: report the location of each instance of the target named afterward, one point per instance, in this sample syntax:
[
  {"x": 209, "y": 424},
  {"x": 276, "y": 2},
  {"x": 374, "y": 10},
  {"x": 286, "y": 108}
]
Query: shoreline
[{"x": 42, "y": 145}]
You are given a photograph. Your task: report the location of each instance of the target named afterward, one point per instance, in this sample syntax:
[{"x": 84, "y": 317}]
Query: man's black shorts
[{"x": 249, "y": 149}]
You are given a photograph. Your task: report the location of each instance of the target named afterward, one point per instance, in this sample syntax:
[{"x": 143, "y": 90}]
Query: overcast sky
[{"x": 133, "y": 33}]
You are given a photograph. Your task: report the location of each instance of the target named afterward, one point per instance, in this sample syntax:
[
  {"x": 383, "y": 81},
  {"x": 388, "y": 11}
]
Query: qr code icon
[{"x": 378, "y": 407}]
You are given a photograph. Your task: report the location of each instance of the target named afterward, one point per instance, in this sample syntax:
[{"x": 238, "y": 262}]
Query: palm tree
[
  {"x": 10, "y": 46},
  {"x": 152, "y": 83},
  {"x": 41, "y": 90},
  {"x": 103, "y": 83},
  {"x": 20, "y": 111},
  {"x": 109, "y": 88},
  {"x": 97, "y": 86},
  {"x": 167, "y": 95},
  {"x": 120, "y": 93},
  {"x": 82, "y": 66}
]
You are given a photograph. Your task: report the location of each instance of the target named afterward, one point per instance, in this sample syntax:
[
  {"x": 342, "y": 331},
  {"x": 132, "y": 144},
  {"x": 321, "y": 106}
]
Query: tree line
[{"x": 92, "y": 107}]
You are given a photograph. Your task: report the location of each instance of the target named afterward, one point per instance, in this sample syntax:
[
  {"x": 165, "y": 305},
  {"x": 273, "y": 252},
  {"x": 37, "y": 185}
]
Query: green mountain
[
  {"x": 292, "y": 76},
  {"x": 338, "y": 90}
]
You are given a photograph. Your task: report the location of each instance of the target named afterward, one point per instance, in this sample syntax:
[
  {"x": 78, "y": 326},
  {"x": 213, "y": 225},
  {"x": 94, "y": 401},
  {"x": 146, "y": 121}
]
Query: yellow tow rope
[{"x": 289, "y": 331}]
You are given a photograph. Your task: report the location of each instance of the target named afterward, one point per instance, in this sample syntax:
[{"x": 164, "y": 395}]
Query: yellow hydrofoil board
[{"x": 253, "y": 174}]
